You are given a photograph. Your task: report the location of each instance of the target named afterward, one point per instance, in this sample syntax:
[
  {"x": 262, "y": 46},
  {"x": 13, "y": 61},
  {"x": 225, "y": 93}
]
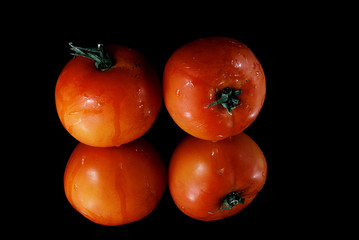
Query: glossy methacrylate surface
[
  {"x": 115, "y": 186},
  {"x": 202, "y": 173}
]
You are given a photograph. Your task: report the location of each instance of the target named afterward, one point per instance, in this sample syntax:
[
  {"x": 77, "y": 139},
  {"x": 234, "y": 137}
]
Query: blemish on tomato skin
[{"x": 220, "y": 171}]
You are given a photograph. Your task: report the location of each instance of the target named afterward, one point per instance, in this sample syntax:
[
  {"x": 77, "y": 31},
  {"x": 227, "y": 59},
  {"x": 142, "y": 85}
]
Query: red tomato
[
  {"x": 214, "y": 87},
  {"x": 214, "y": 180},
  {"x": 114, "y": 186},
  {"x": 105, "y": 107}
]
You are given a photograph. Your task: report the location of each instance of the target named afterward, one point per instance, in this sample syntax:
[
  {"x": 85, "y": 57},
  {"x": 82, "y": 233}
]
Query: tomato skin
[
  {"x": 108, "y": 108},
  {"x": 115, "y": 186},
  {"x": 202, "y": 173},
  {"x": 193, "y": 74}
]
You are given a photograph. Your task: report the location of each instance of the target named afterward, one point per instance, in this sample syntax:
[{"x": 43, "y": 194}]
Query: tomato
[
  {"x": 214, "y": 180},
  {"x": 110, "y": 102},
  {"x": 213, "y": 87},
  {"x": 117, "y": 185}
]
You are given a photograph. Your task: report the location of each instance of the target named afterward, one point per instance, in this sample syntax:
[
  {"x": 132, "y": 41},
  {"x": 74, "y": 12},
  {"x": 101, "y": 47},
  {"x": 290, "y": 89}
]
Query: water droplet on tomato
[
  {"x": 214, "y": 151},
  {"x": 189, "y": 84},
  {"x": 178, "y": 92},
  {"x": 83, "y": 160}
]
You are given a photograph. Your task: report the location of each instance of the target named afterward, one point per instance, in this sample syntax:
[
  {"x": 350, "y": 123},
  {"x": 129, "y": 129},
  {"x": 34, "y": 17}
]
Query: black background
[{"x": 290, "y": 43}]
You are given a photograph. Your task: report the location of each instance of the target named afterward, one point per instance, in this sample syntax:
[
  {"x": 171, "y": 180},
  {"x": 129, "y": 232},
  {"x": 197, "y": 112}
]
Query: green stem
[
  {"x": 231, "y": 200},
  {"x": 227, "y": 97},
  {"x": 102, "y": 58}
]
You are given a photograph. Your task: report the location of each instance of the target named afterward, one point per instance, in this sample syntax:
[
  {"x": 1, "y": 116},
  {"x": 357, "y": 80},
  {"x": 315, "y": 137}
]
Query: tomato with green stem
[
  {"x": 107, "y": 96},
  {"x": 214, "y": 180},
  {"x": 117, "y": 185},
  {"x": 213, "y": 87}
]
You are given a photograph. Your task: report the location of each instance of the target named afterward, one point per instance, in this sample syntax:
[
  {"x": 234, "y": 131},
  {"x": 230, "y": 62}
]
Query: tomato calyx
[
  {"x": 99, "y": 55},
  {"x": 227, "y": 97},
  {"x": 231, "y": 200}
]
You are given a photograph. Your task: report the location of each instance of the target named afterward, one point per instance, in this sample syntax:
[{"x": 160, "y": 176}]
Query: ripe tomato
[
  {"x": 214, "y": 180},
  {"x": 110, "y": 102},
  {"x": 114, "y": 186},
  {"x": 213, "y": 87}
]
